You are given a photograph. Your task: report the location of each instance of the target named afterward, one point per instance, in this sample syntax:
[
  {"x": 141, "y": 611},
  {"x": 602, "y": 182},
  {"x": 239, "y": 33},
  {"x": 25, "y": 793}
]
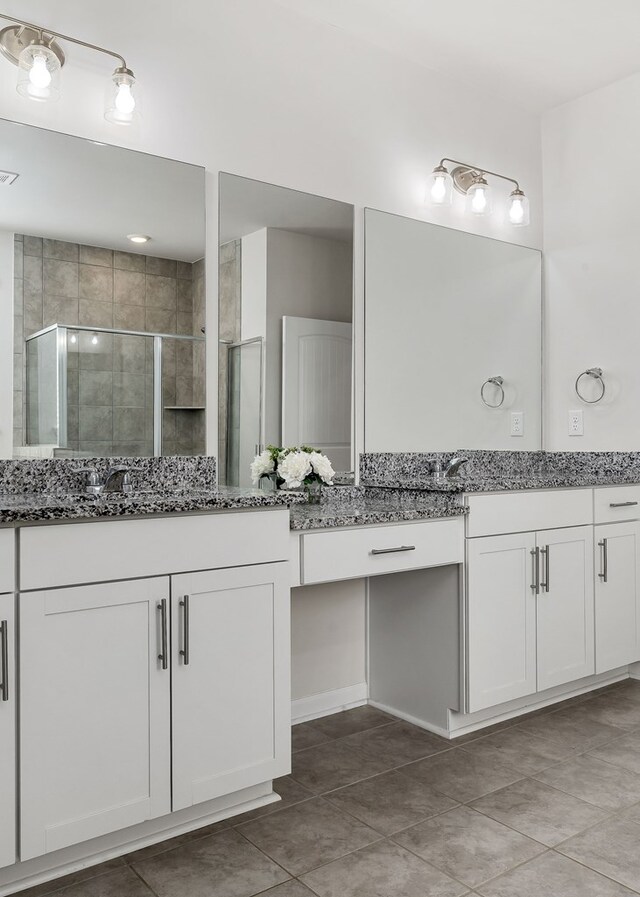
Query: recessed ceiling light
[{"x": 138, "y": 238}]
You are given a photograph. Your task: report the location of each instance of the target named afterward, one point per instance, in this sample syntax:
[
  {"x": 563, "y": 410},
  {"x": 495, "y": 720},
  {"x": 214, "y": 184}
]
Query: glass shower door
[{"x": 244, "y": 427}]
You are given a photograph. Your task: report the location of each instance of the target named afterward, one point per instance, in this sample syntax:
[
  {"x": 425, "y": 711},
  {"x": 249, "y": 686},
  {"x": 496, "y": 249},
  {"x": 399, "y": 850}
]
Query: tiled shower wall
[
  {"x": 229, "y": 301},
  {"x": 69, "y": 283}
]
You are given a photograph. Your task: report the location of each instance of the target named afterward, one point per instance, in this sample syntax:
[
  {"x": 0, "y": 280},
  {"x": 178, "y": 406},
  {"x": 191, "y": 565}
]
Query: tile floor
[{"x": 374, "y": 807}]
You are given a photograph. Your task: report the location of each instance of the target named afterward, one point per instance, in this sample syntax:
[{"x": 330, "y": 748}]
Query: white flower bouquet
[{"x": 292, "y": 468}]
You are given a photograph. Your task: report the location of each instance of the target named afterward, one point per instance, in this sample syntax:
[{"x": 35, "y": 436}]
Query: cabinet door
[
  {"x": 501, "y": 620},
  {"x": 7, "y": 732},
  {"x": 231, "y": 690},
  {"x": 94, "y": 712},
  {"x": 617, "y": 618},
  {"x": 565, "y": 606}
]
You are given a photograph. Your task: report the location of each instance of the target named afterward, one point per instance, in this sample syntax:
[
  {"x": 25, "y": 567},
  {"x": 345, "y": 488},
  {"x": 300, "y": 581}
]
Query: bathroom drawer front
[
  {"x": 7, "y": 560},
  {"x": 616, "y": 503},
  {"x": 347, "y": 554},
  {"x": 520, "y": 512},
  {"x": 67, "y": 554}
]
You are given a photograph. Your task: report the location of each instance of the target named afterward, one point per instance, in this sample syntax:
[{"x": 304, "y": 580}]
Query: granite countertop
[
  {"x": 512, "y": 483},
  {"x": 35, "y": 508},
  {"x": 359, "y": 506}
]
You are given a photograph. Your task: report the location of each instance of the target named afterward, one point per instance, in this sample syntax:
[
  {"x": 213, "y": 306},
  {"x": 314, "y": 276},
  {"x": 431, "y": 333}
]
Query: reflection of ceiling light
[
  {"x": 73, "y": 338},
  {"x": 138, "y": 238},
  {"x": 94, "y": 340}
]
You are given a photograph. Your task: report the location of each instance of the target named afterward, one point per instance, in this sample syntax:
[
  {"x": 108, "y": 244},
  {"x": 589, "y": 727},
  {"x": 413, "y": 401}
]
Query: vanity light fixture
[
  {"x": 40, "y": 58},
  {"x": 138, "y": 238},
  {"x": 471, "y": 181}
]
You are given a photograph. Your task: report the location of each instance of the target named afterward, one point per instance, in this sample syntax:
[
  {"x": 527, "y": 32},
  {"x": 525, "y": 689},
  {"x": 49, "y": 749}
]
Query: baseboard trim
[{"x": 327, "y": 702}]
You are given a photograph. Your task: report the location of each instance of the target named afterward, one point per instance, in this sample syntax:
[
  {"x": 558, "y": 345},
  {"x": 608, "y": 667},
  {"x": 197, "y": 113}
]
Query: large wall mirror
[
  {"x": 453, "y": 344},
  {"x": 285, "y": 324},
  {"x": 109, "y": 327}
]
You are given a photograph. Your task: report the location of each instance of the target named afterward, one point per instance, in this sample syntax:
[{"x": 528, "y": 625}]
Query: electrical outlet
[
  {"x": 576, "y": 423},
  {"x": 517, "y": 423}
]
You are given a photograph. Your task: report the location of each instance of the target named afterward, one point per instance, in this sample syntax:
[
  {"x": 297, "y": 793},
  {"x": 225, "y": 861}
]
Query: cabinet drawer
[
  {"x": 7, "y": 560},
  {"x": 616, "y": 503},
  {"x": 368, "y": 551},
  {"x": 520, "y": 512},
  {"x": 69, "y": 554}
]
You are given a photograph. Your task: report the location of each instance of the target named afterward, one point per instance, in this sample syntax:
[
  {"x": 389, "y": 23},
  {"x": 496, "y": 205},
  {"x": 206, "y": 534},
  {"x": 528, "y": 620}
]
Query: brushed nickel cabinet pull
[
  {"x": 622, "y": 504},
  {"x": 545, "y": 552},
  {"x": 4, "y": 650},
  {"x": 393, "y": 550},
  {"x": 605, "y": 561},
  {"x": 535, "y": 586},
  {"x": 184, "y": 652},
  {"x": 163, "y": 656}
]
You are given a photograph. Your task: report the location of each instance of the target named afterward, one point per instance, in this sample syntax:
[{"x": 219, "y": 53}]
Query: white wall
[
  {"x": 592, "y": 235},
  {"x": 6, "y": 344}
]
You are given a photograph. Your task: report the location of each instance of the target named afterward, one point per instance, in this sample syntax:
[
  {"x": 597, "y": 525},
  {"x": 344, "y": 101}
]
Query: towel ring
[
  {"x": 496, "y": 381},
  {"x": 596, "y": 374}
]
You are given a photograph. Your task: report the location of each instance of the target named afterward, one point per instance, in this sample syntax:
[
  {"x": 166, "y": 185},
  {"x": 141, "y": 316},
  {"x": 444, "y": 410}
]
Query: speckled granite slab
[
  {"x": 494, "y": 471},
  {"x": 65, "y": 475},
  {"x": 360, "y": 506}
]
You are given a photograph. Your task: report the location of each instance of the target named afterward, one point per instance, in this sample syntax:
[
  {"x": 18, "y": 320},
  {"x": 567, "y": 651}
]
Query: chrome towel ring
[
  {"x": 596, "y": 374},
  {"x": 497, "y": 382}
]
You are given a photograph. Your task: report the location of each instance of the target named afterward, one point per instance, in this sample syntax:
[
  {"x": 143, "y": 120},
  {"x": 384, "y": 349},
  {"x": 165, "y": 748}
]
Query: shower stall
[{"x": 102, "y": 391}]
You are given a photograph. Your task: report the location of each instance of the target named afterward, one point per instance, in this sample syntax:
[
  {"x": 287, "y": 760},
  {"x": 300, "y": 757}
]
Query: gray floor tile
[
  {"x": 398, "y": 743},
  {"x": 359, "y": 719},
  {"x": 624, "y": 752},
  {"x": 596, "y": 782},
  {"x": 468, "y": 846},
  {"x": 333, "y": 765},
  {"x": 461, "y": 775},
  {"x": 572, "y": 728},
  {"x": 390, "y": 802},
  {"x": 308, "y": 835},
  {"x": 611, "y": 848},
  {"x": 382, "y": 870},
  {"x": 171, "y": 843},
  {"x": 620, "y": 709},
  {"x": 520, "y": 750},
  {"x": 554, "y": 876},
  {"x": 288, "y": 889},
  {"x": 539, "y": 811},
  {"x": 77, "y": 883},
  {"x": 222, "y": 865},
  {"x": 305, "y": 735},
  {"x": 290, "y": 791}
]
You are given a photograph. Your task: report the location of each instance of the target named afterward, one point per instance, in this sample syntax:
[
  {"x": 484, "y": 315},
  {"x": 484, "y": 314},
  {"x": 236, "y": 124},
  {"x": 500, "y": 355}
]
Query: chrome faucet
[
  {"x": 454, "y": 465},
  {"x": 116, "y": 479}
]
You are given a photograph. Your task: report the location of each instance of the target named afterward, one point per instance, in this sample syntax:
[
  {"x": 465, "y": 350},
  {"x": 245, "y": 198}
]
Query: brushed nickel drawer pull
[
  {"x": 184, "y": 652},
  {"x": 393, "y": 550},
  {"x": 163, "y": 656},
  {"x": 622, "y": 504},
  {"x": 545, "y": 552},
  {"x": 4, "y": 650},
  {"x": 605, "y": 561}
]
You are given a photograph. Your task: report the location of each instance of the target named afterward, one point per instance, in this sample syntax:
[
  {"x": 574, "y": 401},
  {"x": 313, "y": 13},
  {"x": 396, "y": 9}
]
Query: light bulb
[
  {"x": 94, "y": 340},
  {"x": 440, "y": 192},
  {"x": 439, "y": 189},
  {"x": 125, "y": 101},
  {"x": 479, "y": 197},
  {"x": 518, "y": 209},
  {"x": 39, "y": 75}
]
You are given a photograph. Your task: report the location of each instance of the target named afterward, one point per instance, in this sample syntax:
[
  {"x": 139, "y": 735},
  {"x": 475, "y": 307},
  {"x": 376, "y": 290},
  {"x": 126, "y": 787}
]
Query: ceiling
[
  {"x": 535, "y": 54},
  {"x": 247, "y": 206},
  {"x": 83, "y": 192}
]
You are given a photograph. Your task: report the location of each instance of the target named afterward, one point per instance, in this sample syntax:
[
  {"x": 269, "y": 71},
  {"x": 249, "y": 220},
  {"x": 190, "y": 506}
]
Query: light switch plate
[
  {"x": 517, "y": 423},
  {"x": 576, "y": 423}
]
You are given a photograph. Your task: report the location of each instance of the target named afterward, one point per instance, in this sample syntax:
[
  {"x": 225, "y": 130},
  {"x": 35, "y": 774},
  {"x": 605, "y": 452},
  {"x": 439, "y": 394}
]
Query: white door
[
  {"x": 316, "y": 387},
  {"x": 94, "y": 712},
  {"x": 617, "y": 618},
  {"x": 501, "y": 619},
  {"x": 565, "y": 606},
  {"x": 231, "y": 690},
  {"x": 7, "y": 732}
]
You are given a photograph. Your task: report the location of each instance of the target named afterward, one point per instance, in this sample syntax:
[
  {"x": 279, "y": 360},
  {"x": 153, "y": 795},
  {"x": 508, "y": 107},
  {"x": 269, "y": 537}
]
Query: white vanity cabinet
[
  {"x": 94, "y": 722},
  {"x": 617, "y": 595},
  {"x": 230, "y": 702},
  {"x": 7, "y": 731}
]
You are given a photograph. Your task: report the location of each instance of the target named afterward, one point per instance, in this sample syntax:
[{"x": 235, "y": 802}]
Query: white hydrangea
[
  {"x": 322, "y": 466},
  {"x": 294, "y": 468},
  {"x": 261, "y": 465}
]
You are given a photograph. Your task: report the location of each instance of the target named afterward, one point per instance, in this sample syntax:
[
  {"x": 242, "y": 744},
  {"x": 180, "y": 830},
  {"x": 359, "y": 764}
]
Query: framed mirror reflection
[
  {"x": 108, "y": 297},
  {"x": 285, "y": 324}
]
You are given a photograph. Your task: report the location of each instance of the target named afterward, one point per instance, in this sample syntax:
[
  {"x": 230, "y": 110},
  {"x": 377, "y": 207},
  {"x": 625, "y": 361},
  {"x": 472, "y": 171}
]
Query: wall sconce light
[
  {"x": 471, "y": 181},
  {"x": 40, "y": 58}
]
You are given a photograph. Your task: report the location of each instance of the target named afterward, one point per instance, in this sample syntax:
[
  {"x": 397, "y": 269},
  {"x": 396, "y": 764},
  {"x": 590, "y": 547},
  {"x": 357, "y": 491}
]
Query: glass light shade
[
  {"x": 38, "y": 73},
  {"x": 441, "y": 187},
  {"x": 479, "y": 198},
  {"x": 122, "y": 106},
  {"x": 518, "y": 209}
]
